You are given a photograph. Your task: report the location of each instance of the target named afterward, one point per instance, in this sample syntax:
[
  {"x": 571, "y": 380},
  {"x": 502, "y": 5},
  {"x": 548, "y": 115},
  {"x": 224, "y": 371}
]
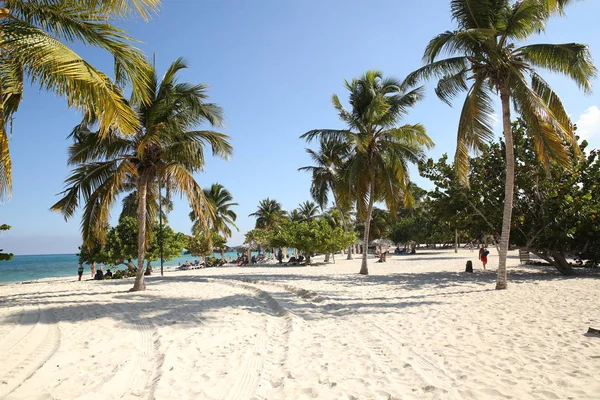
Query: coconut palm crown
[
  {"x": 377, "y": 166},
  {"x": 483, "y": 60},
  {"x": 33, "y": 41},
  {"x": 224, "y": 217},
  {"x": 166, "y": 150},
  {"x": 269, "y": 215}
]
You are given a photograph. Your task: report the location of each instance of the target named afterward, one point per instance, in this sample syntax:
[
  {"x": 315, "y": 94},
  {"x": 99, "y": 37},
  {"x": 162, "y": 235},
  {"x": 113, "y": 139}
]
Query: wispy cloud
[{"x": 588, "y": 124}]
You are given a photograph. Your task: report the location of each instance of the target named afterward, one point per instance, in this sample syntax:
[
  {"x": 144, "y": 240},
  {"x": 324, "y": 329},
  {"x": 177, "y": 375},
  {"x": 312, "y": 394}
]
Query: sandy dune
[{"x": 416, "y": 328}]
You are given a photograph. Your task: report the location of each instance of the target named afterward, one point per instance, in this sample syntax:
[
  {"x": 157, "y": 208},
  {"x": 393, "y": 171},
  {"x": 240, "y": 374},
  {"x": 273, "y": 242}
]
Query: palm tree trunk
[
  {"x": 142, "y": 191},
  {"x": 364, "y": 270},
  {"x": 509, "y": 186}
]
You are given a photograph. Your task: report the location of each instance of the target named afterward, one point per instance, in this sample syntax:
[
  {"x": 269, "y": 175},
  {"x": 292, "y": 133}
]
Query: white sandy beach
[{"x": 416, "y": 328}]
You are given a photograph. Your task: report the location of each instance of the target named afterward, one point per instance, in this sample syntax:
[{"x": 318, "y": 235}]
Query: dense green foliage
[
  {"x": 555, "y": 210},
  {"x": 313, "y": 237},
  {"x": 121, "y": 245},
  {"x": 203, "y": 244},
  {"x": 260, "y": 238}
]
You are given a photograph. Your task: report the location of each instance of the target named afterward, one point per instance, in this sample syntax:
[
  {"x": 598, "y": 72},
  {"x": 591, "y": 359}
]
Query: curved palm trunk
[
  {"x": 142, "y": 191},
  {"x": 364, "y": 270},
  {"x": 509, "y": 186}
]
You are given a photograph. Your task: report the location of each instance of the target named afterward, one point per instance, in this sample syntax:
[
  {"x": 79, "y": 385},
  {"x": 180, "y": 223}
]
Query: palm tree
[
  {"x": 221, "y": 201},
  {"x": 269, "y": 215},
  {"x": 485, "y": 54},
  {"x": 32, "y": 42},
  {"x": 308, "y": 210},
  {"x": 325, "y": 175},
  {"x": 164, "y": 150},
  {"x": 295, "y": 216},
  {"x": 377, "y": 168}
]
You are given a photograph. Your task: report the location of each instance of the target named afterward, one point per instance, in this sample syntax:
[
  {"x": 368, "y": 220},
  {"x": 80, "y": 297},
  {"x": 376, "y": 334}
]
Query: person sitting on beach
[
  {"x": 108, "y": 273},
  {"x": 253, "y": 259},
  {"x": 292, "y": 260},
  {"x": 300, "y": 259},
  {"x": 99, "y": 275}
]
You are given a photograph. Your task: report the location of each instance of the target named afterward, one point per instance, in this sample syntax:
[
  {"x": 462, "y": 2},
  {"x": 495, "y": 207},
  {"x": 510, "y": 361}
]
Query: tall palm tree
[
  {"x": 377, "y": 168},
  {"x": 33, "y": 34},
  {"x": 328, "y": 161},
  {"x": 224, "y": 217},
  {"x": 165, "y": 149},
  {"x": 308, "y": 210},
  {"x": 269, "y": 214},
  {"x": 486, "y": 60}
]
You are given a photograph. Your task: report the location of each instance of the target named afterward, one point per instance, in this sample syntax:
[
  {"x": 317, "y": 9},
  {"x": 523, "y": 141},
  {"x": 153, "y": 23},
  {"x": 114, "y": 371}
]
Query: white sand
[{"x": 416, "y": 328}]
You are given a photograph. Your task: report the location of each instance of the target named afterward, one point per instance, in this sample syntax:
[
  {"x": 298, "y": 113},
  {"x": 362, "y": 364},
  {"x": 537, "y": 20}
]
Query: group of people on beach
[{"x": 98, "y": 274}]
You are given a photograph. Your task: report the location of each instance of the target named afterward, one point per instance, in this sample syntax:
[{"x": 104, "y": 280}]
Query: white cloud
[{"x": 588, "y": 124}]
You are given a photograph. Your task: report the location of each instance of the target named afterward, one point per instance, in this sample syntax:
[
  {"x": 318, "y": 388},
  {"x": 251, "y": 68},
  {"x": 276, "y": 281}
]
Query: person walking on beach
[
  {"x": 80, "y": 270},
  {"x": 483, "y": 253}
]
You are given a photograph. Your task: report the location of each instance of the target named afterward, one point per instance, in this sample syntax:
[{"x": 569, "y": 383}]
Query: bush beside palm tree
[
  {"x": 377, "y": 167},
  {"x": 165, "y": 149},
  {"x": 486, "y": 60},
  {"x": 32, "y": 41}
]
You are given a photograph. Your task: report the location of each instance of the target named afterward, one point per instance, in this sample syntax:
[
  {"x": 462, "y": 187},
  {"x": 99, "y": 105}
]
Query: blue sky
[{"x": 273, "y": 66}]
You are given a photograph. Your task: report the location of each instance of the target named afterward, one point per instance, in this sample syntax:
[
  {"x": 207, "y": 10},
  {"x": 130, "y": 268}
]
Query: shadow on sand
[{"x": 147, "y": 307}]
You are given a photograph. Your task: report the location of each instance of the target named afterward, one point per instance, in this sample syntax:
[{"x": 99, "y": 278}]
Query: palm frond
[
  {"x": 570, "y": 59},
  {"x": 475, "y": 127},
  {"x": 57, "y": 68}
]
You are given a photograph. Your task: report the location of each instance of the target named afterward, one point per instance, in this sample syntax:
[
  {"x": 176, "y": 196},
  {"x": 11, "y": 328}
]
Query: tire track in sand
[
  {"x": 29, "y": 347},
  {"x": 137, "y": 378},
  {"x": 416, "y": 368},
  {"x": 263, "y": 367}
]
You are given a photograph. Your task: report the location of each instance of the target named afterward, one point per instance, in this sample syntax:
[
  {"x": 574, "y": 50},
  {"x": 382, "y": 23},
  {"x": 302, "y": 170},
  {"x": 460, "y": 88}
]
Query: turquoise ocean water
[{"x": 26, "y": 268}]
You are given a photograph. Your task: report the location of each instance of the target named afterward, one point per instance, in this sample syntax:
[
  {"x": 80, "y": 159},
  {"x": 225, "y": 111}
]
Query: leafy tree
[
  {"x": 221, "y": 201},
  {"x": 486, "y": 59},
  {"x": 203, "y": 243},
  {"x": 377, "y": 167},
  {"x": 313, "y": 237},
  {"x": 34, "y": 42},
  {"x": 173, "y": 244},
  {"x": 165, "y": 149},
  {"x": 5, "y": 256},
  {"x": 270, "y": 214},
  {"x": 259, "y": 238},
  {"x": 556, "y": 217},
  {"x": 553, "y": 216}
]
